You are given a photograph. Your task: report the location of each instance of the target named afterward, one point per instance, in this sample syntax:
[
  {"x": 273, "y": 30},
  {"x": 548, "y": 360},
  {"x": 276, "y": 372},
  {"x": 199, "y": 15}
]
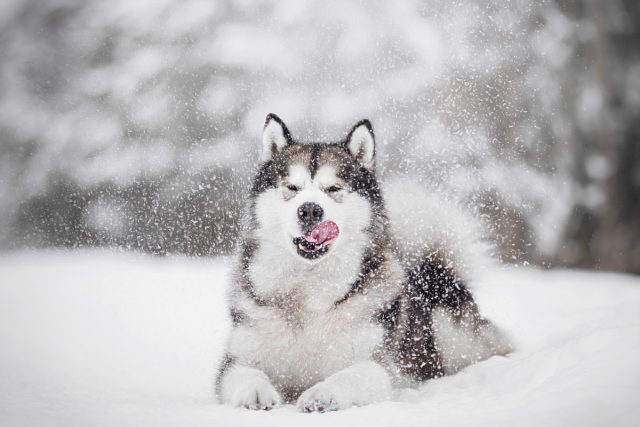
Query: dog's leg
[
  {"x": 360, "y": 384},
  {"x": 465, "y": 338},
  {"x": 249, "y": 388}
]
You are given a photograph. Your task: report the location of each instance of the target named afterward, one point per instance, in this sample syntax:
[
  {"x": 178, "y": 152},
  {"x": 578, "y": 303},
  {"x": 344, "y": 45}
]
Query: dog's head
[{"x": 316, "y": 199}]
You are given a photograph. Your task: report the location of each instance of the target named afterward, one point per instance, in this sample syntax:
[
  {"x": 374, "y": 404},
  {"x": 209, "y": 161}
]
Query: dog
[{"x": 330, "y": 308}]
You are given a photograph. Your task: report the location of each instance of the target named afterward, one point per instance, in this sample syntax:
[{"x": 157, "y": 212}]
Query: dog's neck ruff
[
  {"x": 370, "y": 266},
  {"x": 338, "y": 278}
]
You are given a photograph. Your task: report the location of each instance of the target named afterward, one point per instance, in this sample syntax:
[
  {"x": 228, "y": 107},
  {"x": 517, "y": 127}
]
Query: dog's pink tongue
[{"x": 324, "y": 233}]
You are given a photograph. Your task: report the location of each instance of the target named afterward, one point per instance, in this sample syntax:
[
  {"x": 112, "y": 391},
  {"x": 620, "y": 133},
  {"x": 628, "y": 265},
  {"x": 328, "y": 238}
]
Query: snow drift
[{"x": 97, "y": 338}]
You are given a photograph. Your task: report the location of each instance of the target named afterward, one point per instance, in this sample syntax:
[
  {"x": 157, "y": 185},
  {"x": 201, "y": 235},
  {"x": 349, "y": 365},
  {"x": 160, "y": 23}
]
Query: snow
[{"x": 103, "y": 338}]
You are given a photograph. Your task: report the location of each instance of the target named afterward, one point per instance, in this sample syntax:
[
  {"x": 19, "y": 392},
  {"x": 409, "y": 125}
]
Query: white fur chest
[
  {"x": 301, "y": 337},
  {"x": 277, "y": 272},
  {"x": 304, "y": 349}
]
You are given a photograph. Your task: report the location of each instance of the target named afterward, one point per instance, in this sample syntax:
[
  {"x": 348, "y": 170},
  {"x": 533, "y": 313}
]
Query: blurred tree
[{"x": 601, "y": 83}]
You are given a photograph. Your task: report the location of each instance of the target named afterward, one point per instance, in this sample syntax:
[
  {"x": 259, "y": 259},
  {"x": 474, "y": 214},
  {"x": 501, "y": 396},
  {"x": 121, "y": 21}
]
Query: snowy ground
[{"x": 96, "y": 338}]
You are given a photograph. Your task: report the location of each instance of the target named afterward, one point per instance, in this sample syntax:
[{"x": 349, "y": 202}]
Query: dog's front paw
[
  {"x": 257, "y": 395},
  {"x": 319, "y": 398}
]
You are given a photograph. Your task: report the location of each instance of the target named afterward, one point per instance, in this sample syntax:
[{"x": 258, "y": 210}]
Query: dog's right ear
[
  {"x": 275, "y": 137},
  {"x": 362, "y": 145}
]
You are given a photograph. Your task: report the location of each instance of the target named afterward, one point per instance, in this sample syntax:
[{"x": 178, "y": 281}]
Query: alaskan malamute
[{"x": 329, "y": 309}]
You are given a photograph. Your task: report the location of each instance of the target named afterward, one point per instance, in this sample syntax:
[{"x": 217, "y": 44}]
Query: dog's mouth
[{"x": 316, "y": 243}]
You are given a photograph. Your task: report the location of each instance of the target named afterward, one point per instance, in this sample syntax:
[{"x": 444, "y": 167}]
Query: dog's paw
[
  {"x": 319, "y": 398},
  {"x": 259, "y": 395}
]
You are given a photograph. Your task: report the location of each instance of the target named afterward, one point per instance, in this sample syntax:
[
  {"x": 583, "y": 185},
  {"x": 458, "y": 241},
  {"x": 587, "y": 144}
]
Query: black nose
[{"x": 310, "y": 213}]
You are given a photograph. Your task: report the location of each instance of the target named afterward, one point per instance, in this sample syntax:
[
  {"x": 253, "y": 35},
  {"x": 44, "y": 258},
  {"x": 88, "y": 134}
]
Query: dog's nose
[{"x": 310, "y": 213}]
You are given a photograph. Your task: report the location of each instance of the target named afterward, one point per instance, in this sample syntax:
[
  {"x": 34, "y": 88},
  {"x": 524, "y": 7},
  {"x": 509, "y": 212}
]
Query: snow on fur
[{"x": 426, "y": 221}]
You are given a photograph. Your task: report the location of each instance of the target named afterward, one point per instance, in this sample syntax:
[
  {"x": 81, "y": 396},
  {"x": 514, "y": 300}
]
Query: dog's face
[{"x": 315, "y": 199}]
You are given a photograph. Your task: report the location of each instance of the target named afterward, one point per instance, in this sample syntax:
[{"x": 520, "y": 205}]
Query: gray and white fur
[{"x": 339, "y": 325}]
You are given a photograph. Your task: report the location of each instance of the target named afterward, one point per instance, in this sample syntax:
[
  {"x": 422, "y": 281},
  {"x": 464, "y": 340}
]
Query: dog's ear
[
  {"x": 275, "y": 137},
  {"x": 361, "y": 144}
]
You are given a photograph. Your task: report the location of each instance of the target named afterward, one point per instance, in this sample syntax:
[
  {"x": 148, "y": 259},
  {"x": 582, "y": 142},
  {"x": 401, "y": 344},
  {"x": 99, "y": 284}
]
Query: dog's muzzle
[{"x": 317, "y": 242}]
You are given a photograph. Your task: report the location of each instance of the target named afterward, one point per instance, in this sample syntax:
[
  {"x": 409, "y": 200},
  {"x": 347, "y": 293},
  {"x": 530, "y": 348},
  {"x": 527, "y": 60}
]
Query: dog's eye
[
  {"x": 333, "y": 189},
  {"x": 292, "y": 187}
]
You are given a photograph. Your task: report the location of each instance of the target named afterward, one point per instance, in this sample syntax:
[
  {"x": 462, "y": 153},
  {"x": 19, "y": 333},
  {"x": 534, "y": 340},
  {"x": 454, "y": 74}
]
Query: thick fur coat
[{"x": 332, "y": 304}]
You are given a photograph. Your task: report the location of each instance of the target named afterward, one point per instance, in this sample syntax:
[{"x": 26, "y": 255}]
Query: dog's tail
[
  {"x": 439, "y": 242},
  {"x": 427, "y": 223}
]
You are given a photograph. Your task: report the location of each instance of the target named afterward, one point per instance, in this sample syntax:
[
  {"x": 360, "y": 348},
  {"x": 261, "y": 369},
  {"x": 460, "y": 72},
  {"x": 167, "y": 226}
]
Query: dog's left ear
[
  {"x": 275, "y": 137},
  {"x": 361, "y": 144}
]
